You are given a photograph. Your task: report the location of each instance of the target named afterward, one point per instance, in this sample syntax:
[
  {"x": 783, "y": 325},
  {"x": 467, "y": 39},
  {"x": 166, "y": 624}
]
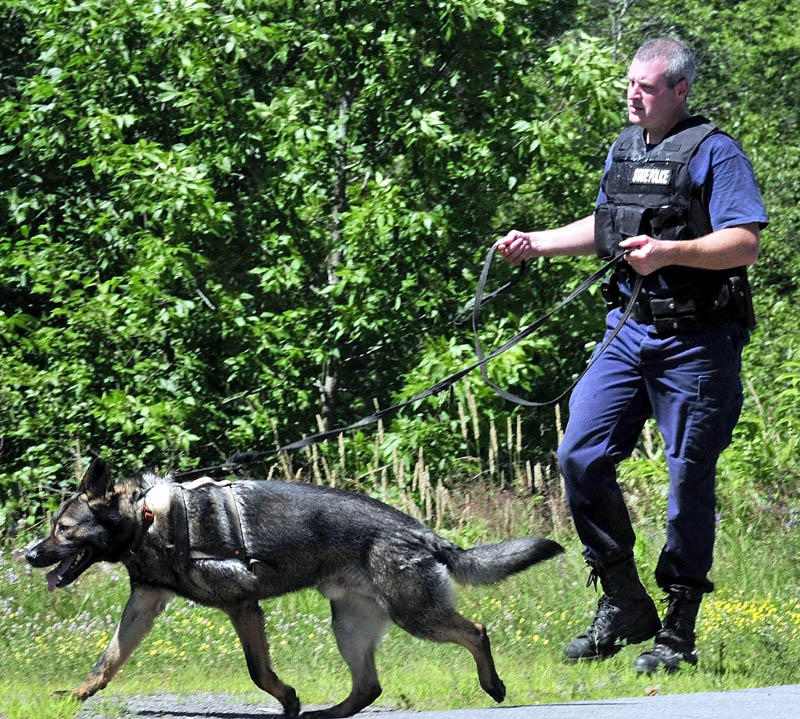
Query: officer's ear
[{"x": 682, "y": 89}]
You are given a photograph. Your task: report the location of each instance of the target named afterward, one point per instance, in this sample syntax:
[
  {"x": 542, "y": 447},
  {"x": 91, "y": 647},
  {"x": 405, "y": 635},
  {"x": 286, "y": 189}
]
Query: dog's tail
[{"x": 489, "y": 563}]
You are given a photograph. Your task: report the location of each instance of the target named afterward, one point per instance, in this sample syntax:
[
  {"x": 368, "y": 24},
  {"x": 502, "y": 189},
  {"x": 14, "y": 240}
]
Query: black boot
[
  {"x": 625, "y": 614},
  {"x": 675, "y": 641}
]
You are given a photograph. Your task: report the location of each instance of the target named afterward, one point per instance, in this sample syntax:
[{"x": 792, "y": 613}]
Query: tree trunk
[{"x": 330, "y": 379}]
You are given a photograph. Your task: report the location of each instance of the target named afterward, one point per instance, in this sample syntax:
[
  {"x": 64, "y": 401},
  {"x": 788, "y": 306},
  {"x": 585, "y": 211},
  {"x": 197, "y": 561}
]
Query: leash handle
[{"x": 582, "y": 287}]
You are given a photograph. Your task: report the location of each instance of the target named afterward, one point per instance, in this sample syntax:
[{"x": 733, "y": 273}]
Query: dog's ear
[{"x": 96, "y": 483}]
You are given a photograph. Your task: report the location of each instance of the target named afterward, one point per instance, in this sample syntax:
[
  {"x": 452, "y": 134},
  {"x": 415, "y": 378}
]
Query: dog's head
[{"x": 85, "y": 530}]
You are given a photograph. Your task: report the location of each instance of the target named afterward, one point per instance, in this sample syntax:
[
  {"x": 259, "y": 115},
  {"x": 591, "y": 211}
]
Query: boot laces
[{"x": 604, "y": 617}]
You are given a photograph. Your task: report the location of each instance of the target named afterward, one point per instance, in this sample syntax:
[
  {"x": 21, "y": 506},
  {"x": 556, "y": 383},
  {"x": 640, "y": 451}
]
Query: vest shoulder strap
[{"x": 679, "y": 146}]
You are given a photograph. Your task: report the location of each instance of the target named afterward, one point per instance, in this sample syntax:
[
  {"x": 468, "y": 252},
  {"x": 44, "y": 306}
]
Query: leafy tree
[{"x": 221, "y": 217}]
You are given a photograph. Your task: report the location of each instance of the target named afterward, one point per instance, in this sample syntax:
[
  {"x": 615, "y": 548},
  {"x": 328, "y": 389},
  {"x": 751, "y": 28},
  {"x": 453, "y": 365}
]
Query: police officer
[{"x": 678, "y": 198}]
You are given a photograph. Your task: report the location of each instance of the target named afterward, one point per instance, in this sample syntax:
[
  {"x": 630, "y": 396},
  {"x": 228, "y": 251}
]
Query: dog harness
[{"x": 205, "y": 522}]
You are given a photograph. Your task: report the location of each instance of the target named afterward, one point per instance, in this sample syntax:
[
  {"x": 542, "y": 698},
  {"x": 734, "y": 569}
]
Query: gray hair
[{"x": 680, "y": 61}]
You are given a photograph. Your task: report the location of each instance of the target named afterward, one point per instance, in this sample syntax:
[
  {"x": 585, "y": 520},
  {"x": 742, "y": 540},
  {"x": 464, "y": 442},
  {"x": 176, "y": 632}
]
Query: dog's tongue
[{"x": 55, "y": 575}]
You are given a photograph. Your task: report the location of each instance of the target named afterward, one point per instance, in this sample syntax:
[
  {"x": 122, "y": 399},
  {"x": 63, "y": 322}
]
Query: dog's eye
[{"x": 63, "y": 528}]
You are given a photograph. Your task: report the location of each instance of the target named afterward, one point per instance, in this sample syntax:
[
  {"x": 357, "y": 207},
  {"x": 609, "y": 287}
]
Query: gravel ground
[
  {"x": 771, "y": 702},
  {"x": 172, "y": 706},
  {"x": 192, "y": 706}
]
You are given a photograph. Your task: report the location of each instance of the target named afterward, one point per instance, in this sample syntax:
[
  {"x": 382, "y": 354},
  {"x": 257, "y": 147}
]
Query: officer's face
[{"x": 652, "y": 103}]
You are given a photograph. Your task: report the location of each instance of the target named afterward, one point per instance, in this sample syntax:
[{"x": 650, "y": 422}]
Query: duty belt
[
  {"x": 705, "y": 308},
  {"x": 676, "y": 315}
]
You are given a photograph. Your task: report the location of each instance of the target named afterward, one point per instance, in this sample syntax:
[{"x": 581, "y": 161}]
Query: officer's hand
[
  {"x": 645, "y": 254},
  {"x": 516, "y": 246}
]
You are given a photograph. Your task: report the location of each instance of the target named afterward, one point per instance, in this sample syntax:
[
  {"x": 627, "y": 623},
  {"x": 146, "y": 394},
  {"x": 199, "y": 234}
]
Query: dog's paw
[
  {"x": 291, "y": 706},
  {"x": 82, "y": 692},
  {"x": 497, "y": 691}
]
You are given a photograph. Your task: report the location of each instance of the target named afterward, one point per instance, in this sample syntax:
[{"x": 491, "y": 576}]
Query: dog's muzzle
[{"x": 32, "y": 553}]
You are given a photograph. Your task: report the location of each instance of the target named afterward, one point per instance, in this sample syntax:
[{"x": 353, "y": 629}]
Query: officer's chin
[{"x": 635, "y": 116}]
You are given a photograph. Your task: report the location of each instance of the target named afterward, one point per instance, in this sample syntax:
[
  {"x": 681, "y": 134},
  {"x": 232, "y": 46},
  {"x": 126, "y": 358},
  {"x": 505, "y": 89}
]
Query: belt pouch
[{"x": 673, "y": 306}]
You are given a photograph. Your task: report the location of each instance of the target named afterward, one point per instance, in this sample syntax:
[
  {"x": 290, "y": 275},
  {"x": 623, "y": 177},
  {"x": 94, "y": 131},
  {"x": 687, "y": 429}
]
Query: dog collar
[{"x": 147, "y": 521}]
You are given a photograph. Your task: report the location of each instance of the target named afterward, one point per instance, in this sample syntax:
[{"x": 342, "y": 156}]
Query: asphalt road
[{"x": 767, "y": 703}]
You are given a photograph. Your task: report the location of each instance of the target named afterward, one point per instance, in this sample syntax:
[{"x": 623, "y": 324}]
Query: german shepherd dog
[{"x": 230, "y": 544}]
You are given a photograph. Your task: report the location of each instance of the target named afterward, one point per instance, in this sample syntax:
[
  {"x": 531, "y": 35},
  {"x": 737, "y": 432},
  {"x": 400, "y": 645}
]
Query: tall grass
[{"x": 498, "y": 464}]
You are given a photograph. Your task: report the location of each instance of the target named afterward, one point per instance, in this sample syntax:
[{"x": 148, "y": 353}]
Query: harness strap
[
  {"x": 232, "y": 507},
  {"x": 180, "y": 524}
]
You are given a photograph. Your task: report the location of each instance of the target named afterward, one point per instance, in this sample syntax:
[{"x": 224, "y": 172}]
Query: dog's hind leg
[
  {"x": 359, "y": 623},
  {"x": 144, "y": 605},
  {"x": 248, "y": 620},
  {"x": 472, "y": 636},
  {"x": 423, "y": 606}
]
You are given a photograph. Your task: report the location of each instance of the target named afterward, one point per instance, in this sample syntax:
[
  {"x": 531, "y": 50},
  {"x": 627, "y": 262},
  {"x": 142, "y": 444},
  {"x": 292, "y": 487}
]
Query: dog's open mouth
[{"x": 69, "y": 569}]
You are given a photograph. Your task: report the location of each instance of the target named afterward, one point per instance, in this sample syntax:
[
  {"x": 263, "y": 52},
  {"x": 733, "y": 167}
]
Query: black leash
[
  {"x": 240, "y": 460},
  {"x": 479, "y": 300},
  {"x": 588, "y": 282}
]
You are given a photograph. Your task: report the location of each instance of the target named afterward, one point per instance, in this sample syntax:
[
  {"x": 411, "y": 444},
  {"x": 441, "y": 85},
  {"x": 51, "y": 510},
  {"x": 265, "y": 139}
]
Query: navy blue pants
[{"x": 690, "y": 383}]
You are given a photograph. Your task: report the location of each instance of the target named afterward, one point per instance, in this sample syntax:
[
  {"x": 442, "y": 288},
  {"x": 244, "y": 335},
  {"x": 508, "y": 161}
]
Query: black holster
[{"x": 742, "y": 299}]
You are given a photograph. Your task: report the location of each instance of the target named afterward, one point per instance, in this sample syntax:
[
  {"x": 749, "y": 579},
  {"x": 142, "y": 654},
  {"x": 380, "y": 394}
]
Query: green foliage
[
  {"x": 221, "y": 220},
  {"x": 224, "y": 223}
]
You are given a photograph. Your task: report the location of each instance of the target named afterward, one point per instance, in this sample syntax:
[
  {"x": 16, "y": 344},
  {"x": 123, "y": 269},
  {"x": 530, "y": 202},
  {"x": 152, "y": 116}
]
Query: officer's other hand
[
  {"x": 645, "y": 254},
  {"x": 516, "y": 246}
]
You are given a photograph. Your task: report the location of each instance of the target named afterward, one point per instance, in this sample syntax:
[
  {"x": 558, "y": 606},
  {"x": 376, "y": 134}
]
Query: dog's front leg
[
  {"x": 248, "y": 620},
  {"x": 144, "y": 605}
]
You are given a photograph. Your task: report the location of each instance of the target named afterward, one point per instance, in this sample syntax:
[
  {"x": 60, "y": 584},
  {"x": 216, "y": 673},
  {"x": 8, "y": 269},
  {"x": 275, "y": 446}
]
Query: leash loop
[
  {"x": 240, "y": 460},
  {"x": 582, "y": 287},
  {"x": 461, "y": 318}
]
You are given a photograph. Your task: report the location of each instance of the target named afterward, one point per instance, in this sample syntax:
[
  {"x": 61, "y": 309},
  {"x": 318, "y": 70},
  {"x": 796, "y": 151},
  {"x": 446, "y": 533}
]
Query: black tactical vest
[{"x": 649, "y": 191}]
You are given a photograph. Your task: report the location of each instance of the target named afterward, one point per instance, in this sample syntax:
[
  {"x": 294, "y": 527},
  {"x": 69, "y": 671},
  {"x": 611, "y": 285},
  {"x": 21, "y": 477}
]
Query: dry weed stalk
[{"x": 504, "y": 466}]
